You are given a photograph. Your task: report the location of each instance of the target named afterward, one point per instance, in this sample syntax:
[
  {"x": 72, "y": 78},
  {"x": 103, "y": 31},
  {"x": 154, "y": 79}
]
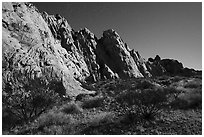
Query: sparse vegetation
[
  {"x": 135, "y": 106},
  {"x": 145, "y": 103}
]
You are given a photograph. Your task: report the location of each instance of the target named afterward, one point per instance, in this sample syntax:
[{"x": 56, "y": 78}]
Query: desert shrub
[
  {"x": 129, "y": 117},
  {"x": 177, "y": 78},
  {"x": 173, "y": 91},
  {"x": 145, "y": 103},
  {"x": 188, "y": 100},
  {"x": 82, "y": 97},
  {"x": 145, "y": 84},
  {"x": 52, "y": 122},
  {"x": 93, "y": 102},
  {"x": 71, "y": 108},
  {"x": 165, "y": 82},
  {"x": 98, "y": 122},
  {"x": 30, "y": 100},
  {"x": 8, "y": 118},
  {"x": 101, "y": 118},
  {"x": 53, "y": 118},
  {"x": 193, "y": 84},
  {"x": 163, "y": 77}
]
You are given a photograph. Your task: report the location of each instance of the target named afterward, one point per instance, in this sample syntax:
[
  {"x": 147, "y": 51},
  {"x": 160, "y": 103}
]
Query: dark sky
[{"x": 171, "y": 30}]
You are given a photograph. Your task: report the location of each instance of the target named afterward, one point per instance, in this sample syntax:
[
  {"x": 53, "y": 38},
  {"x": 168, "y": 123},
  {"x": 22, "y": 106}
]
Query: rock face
[
  {"x": 39, "y": 45},
  {"x": 36, "y": 45},
  {"x": 154, "y": 66},
  {"x": 172, "y": 67},
  {"x": 112, "y": 51},
  {"x": 30, "y": 51},
  {"x": 158, "y": 67}
]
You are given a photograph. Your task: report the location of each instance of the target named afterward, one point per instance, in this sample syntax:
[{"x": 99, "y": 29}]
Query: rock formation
[
  {"x": 158, "y": 67},
  {"x": 30, "y": 51},
  {"x": 112, "y": 51},
  {"x": 36, "y": 45},
  {"x": 39, "y": 45},
  {"x": 154, "y": 66}
]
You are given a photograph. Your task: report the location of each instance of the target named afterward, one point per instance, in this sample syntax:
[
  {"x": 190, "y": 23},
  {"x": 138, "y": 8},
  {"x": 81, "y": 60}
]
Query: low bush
[
  {"x": 164, "y": 77},
  {"x": 28, "y": 102},
  {"x": 101, "y": 118},
  {"x": 189, "y": 100},
  {"x": 145, "y": 103},
  {"x": 93, "y": 102},
  {"x": 177, "y": 78},
  {"x": 97, "y": 123},
  {"x": 71, "y": 108},
  {"x": 145, "y": 84},
  {"x": 53, "y": 122},
  {"x": 193, "y": 84},
  {"x": 53, "y": 118}
]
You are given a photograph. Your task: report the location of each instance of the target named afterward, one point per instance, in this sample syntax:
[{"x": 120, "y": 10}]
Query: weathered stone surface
[
  {"x": 158, "y": 67},
  {"x": 113, "y": 52},
  {"x": 172, "y": 67},
  {"x": 30, "y": 50},
  {"x": 36, "y": 45},
  {"x": 154, "y": 66},
  {"x": 63, "y": 35},
  {"x": 85, "y": 42},
  {"x": 140, "y": 62}
]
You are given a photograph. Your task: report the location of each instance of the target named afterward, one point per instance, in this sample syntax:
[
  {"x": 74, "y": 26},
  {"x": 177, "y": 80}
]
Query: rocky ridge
[{"x": 36, "y": 45}]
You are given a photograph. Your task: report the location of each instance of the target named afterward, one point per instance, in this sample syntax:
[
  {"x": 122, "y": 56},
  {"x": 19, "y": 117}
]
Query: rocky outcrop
[
  {"x": 158, "y": 67},
  {"x": 37, "y": 45},
  {"x": 141, "y": 63},
  {"x": 30, "y": 51},
  {"x": 63, "y": 35},
  {"x": 172, "y": 67},
  {"x": 84, "y": 44},
  {"x": 154, "y": 66},
  {"x": 112, "y": 51}
]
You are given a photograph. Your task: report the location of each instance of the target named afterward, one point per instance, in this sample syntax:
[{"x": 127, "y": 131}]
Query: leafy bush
[
  {"x": 29, "y": 101},
  {"x": 93, "y": 102},
  {"x": 71, "y": 108},
  {"x": 145, "y": 103}
]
